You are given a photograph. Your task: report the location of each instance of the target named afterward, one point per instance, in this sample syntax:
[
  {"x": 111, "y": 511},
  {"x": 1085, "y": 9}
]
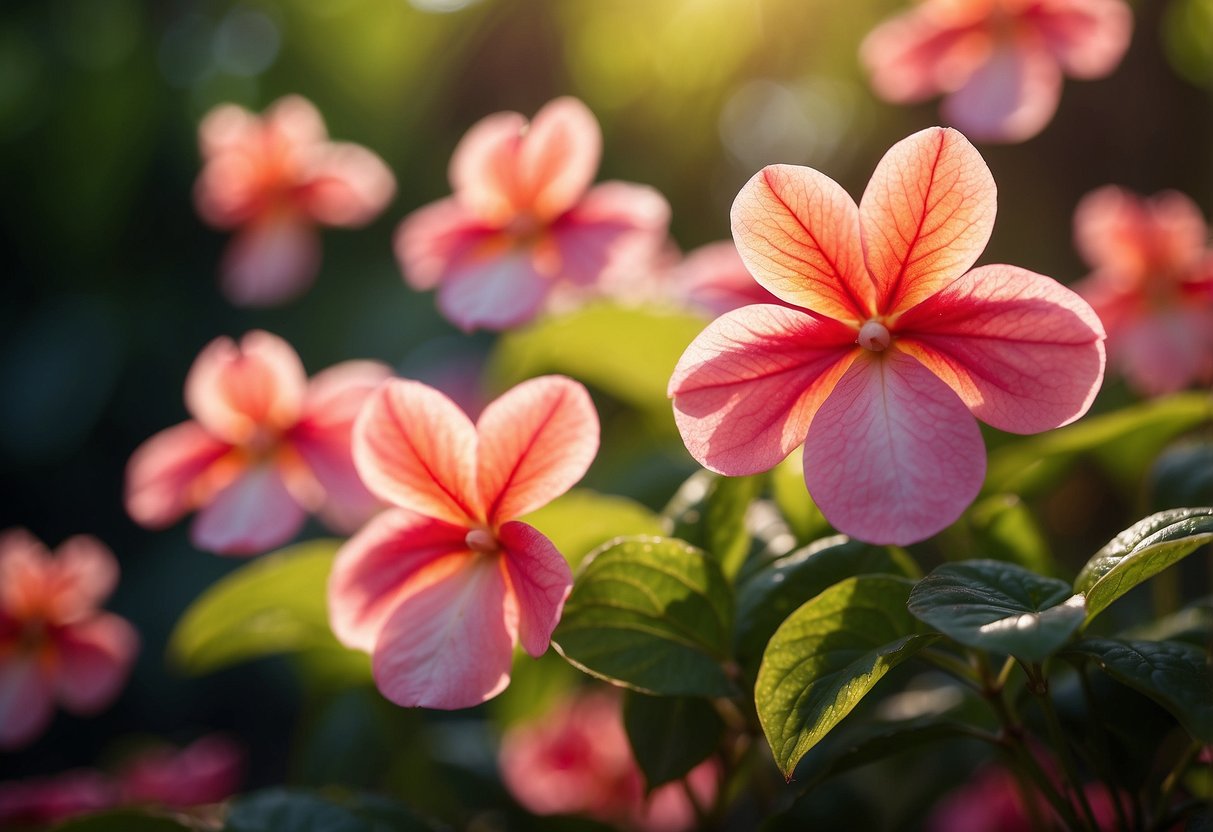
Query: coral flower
[
  {"x": 440, "y": 589},
  {"x": 576, "y": 760},
  {"x": 54, "y": 642},
  {"x": 265, "y": 447},
  {"x": 524, "y": 225},
  {"x": 892, "y": 346},
  {"x": 713, "y": 279},
  {"x": 998, "y": 62},
  {"x": 1152, "y": 285},
  {"x": 275, "y": 178}
]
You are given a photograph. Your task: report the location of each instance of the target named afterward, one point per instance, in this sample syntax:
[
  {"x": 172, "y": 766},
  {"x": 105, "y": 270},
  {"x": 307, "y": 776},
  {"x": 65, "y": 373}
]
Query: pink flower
[
  {"x": 206, "y": 771},
  {"x": 275, "y": 178},
  {"x": 523, "y": 222},
  {"x": 893, "y": 344},
  {"x": 998, "y": 62},
  {"x": 713, "y": 279},
  {"x": 55, "y": 644},
  {"x": 44, "y": 800},
  {"x": 265, "y": 447},
  {"x": 576, "y": 760},
  {"x": 1152, "y": 285},
  {"x": 442, "y": 588}
]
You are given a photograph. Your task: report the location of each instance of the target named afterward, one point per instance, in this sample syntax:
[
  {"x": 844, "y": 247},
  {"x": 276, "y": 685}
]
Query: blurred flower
[
  {"x": 892, "y": 346},
  {"x": 275, "y": 178},
  {"x": 265, "y": 447},
  {"x": 43, "y": 800},
  {"x": 1152, "y": 285},
  {"x": 576, "y": 761},
  {"x": 998, "y": 62},
  {"x": 713, "y": 279},
  {"x": 55, "y": 644},
  {"x": 441, "y": 589},
  {"x": 524, "y": 222},
  {"x": 206, "y": 771}
]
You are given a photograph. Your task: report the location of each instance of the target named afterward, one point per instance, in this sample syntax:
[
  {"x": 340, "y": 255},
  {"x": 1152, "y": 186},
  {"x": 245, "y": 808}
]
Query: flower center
[
  {"x": 874, "y": 336},
  {"x": 481, "y": 540}
]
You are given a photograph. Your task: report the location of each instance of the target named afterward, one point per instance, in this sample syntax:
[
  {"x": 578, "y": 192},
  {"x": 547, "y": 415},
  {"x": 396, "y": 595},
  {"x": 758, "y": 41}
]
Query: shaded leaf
[
  {"x": 122, "y": 820},
  {"x": 650, "y": 613},
  {"x": 882, "y": 741},
  {"x": 582, "y": 520},
  {"x": 1004, "y": 529},
  {"x": 670, "y": 735},
  {"x": 277, "y": 810},
  {"x": 1183, "y": 476},
  {"x": 709, "y": 511}
]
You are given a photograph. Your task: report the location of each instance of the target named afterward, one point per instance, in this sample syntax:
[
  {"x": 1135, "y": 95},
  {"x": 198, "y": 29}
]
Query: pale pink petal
[
  {"x": 241, "y": 393},
  {"x": 1180, "y": 234},
  {"x": 494, "y": 293},
  {"x": 230, "y": 190},
  {"x": 893, "y": 456},
  {"x": 26, "y": 703},
  {"x": 450, "y": 645},
  {"x": 747, "y": 387},
  {"x": 616, "y": 227},
  {"x": 484, "y": 166},
  {"x": 436, "y": 239},
  {"x": 1023, "y": 352},
  {"x": 669, "y": 808},
  {"x": 915, "y": 55},
  {"x": 925, "y": 216},
  {"x": 713, "y": 278},
  {"x": 164, "y": 477},
  {"x": 344, "y": 184},
  {"x": 272, "y": 260},
  {"x": 84, "y": 574},
  {"x": 25, "y": 569},
  {"x": 1165, "y": 351},
  {"x": 558, "y": 158},
  {"x": 396, "y": 555},
  {"x": 1112, "y": 231},
  {"x": 540, "y": 581},
  {"x": 1010, "y": 98},
  {"x": 253, "y": 514},
  {"x": 95, "y": 658},
  {"x": 797, "y": 231},
  {"x": 1088, "y": 37},
  {"x": 225, "y": 128},
  {"x": 535, "y": 442},
  {"x": 295, "y": 120},
  {"x": 415, "y": 448}
]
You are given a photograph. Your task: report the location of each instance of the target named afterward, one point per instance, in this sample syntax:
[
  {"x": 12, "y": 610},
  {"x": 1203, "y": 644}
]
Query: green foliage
[
  {"x": 1003, "y": 528},
  {"x": 1183, "y": 476},
  {"x": 792, "y": 498},
  {"x": 709, "y": 511},
  {"x": 276, "y": 810},
  {"x": 123, "y": 820},
  {"x": 670, "y": 735},
  {"x": 582, "y": 520},
  {"x": 999, "y": 607},
  {"x": 826, "y": 657},
  {"x": 1141, "y": 552},
  {"x": 653, "y": 614}
]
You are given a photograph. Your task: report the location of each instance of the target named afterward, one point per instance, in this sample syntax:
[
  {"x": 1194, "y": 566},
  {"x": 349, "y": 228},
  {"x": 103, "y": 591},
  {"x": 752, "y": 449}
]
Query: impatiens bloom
[
  {"x": 264, "y": 448},
  {"x": 524, "y": 224},
  {"x": 206, "y": 771},
  {"x": 714, "y": 280},
  {"x": 1152, "y": 285},
  {"x": 894, "y": 346},
  {"x": 998, "y": 62},
  {"x": 274, "y": 179},
  {"x": 576, "y": 760},
  {"x": 55, "y": 644},
  {"x": 440, "y": 589}
]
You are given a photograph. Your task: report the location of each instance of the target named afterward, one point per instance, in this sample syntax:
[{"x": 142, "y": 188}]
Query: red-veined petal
[
  {"x": 1010, "y": 98},
  {"x": 540, "y": 580},
  {"x": 558, "y": 158},
  {"x": 95, "y": 658},
  {"x": 496, "y": 292},
  {"x": 26, "y": 702},
  {"x": 163, "y": 476},
  {"x": 484, "y": 165},
  {"x": 253, "y": 514},
  {"x": 344, "y": 184},
  {"x": 270, "y": 261},
  {"x": 893, "y": 456}
]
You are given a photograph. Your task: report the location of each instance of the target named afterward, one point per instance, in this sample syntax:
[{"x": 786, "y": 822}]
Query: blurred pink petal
[
  {"x": 95, "y": 658},
  {"x": 1010, "y": 98},
  {"x": 164, "y": 477},
  {"x": 253, "y": 514},
  {"x": 557, "y": 158},
  {"x": 1165, "y": 351},
  {"x": 1089, "y": 37},
  {"x": 207, "y": 770},
  {"x": 439, "y": 239},
  {"x": 345, "y": 185},
  {"x": 270, "y": 261},
  {"x": 482, "y": 167},
  {"x": 43, "y": 800},
  {"x": 1130, "y": 238},
  {"x": 713, "y": 279},
  {"x": 494, "y": 293},
  {"x": 616, "y": 226},
  {"x": 83, "y": 575},
  {"x": 540, "y": 579},
  {"x": 922, "y": 52},
  {"x": 26, "y": 697}
]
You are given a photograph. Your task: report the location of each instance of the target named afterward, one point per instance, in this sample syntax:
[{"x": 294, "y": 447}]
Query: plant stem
[
  {"x": 951, "y": 665},
  {"x": 1039, "y": 686},
  {"x": 1102, "y": 751},
  {"x": 1171, "y": 781}
]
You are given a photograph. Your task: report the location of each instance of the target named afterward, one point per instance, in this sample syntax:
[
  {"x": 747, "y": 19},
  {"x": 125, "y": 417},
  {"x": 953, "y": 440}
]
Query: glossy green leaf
[
  {"x": 998, "y": 607},
  {"x": 1141, "y": 552},
  {"x": 1003, "y": 528},
  {"x": 278, "y": 810},
  {"x": 709, "y": 511},
  {"x": 791, "y": 497},
  {"x": 653, "y": 614},
  {"x": 670, "y": 735},
  {"x": 122, "y": 820},
  {"x": 1174, "y": 674},
  {"x": 769, "y": 595},
  {"x": 274, "y": 604},
  {"x": 1183, "y": 476},
  {"x": 882, "y": 741},
  {"x": 582, "y": 520},
  {"x": 826, "y": 657}
]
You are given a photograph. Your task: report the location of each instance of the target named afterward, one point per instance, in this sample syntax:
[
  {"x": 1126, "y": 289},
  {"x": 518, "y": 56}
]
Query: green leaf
[
  {"x": 274, "y": 604},
  {"x": 826, "y": 657},
  {"x": 278, "y": 810},
  {"x": 770, "y": 595},
  {"x": 582, "y": 520},
  {"x": 670, "y": 735},
  {"x": 1174, "y": 674},
  {"x": 1004, "y": 529},
  {"x": 121, "y": 820},
  {"x": 998, "y": 607},
  {"x": 791, "y": 497},
  {"x": 880, "y": 741},
  {"x": 709, "y": 511},
  {"x": 1141, "y": 552},
  {"x": 1183, "y": 476},
  {"x": 652, "y": 614},
  {"x": 1124, "y": 442}
]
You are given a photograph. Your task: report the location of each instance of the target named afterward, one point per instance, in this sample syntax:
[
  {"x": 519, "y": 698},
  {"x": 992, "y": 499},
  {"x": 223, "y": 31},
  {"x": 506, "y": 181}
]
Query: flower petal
[
  {"x": 797, "y": 231},
  {"x": 451, "y": 644},
  {"x": 1088, "y": 37},
  {"x": 253, "y": 514},
  {"x": 95, "y": 658},
  {"x": 164, "y": 475},
  {"x": 617, "y": 226},
  {"x": 919, "y": 53},
  {"x": 714, "y": 280},
  {"x": 295, "y": 120},
  {"x": 747, "y": 387},
  {"x": 1166, "y": 351},
  {"x": 270, "y": 261},
  {"x": 344, "y": 184},
  {"x": 893, "y": 456},
  {"x": 496, "y": 293},
  {"x": 437, "y": 239},
  {"x": 1010, "y": 98},
  {"x": 540, "y": 580},
  {"x": 25, "y": 565},
  {"x": 1023, "y": 352},
  {"x": 925, "y": 216},
  {"x": 558, "y": 158},
  {"x": 535, "y": 442},
  {"x": 415, "y": 448},
  {"x": 1129, "y": 237},
  {"x": 85, "y": 572},
  {"x": 26, "y": 705},
  {"x": 484, "y": 165},
  {"x": 398, "y": 554},
  {"x": 237, "y": 392}
]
